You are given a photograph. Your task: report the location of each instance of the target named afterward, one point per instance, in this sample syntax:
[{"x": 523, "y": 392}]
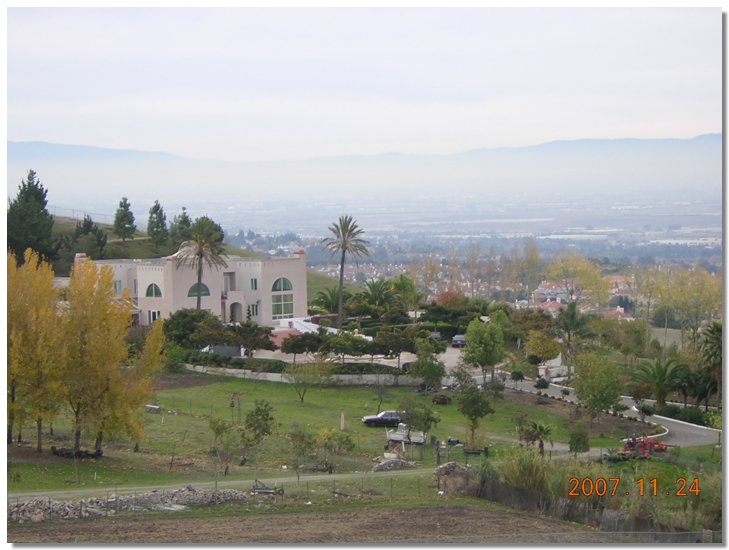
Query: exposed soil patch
[
  {"x": 182, "y": 380},
  {"x": 605, "y": 425},
  {"x": 436, "y": 524}
]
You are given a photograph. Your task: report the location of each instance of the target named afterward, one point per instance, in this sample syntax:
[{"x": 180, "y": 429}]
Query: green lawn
[{"x": 178, "y": 441}]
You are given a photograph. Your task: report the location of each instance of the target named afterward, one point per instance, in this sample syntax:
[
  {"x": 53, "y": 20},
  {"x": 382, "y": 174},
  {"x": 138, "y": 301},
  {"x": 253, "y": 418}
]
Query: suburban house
[
  {"x": 550, "y": 291},
  {"x": 264, "y": 290}
]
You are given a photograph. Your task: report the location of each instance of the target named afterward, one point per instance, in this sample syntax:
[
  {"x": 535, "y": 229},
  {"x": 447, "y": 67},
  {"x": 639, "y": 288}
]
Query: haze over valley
[{"x": 609, "y": 198}]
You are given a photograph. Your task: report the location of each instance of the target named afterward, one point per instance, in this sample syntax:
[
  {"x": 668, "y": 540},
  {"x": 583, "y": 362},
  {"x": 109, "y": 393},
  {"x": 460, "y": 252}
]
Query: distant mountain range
[{"x": 98, "y": 177}]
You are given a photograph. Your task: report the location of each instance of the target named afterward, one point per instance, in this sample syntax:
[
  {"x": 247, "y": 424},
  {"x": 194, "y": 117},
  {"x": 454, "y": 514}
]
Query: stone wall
[{"x": 339, "y": 379}]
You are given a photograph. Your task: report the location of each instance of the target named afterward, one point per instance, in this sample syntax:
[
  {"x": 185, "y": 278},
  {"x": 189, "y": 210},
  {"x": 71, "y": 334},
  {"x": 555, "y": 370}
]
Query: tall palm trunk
[
  {"x": 199, "y": 280},
  {"x": 341, "y": 291}
]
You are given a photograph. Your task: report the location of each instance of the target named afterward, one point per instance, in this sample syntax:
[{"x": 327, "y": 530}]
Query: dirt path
[
  {"x": 436, "y": 524},
  {"x": 239, "y": 484}
]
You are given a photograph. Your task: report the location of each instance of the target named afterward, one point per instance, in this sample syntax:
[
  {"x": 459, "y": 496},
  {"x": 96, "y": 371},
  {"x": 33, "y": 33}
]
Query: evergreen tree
[
  {"x": 157, "y": 225},
  {"x": 124, "y": 221},
  {"x": 29, "y": 223},
  {"x": 180, "y": 229},
  {"x": 89, "y": 238}
]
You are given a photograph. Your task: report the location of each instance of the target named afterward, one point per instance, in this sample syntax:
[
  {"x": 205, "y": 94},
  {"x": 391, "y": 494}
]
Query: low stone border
[{"x": 40, "y": 509}]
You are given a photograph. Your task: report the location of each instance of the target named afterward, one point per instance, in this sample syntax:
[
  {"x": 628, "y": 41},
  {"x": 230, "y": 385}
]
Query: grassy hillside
[{"x": 316, "y": 282}]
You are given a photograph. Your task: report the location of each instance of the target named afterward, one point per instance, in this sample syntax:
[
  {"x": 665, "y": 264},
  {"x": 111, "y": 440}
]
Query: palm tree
[
  {"x": 684, "y": 381},
  {"x": 379, "y": 293},
  {"x": 539, "y": 432},
  {"x": 347, "y": 238},
  {"x": 710, "y": 345},
  {"x": 704, "y": 387},
  {"x": 204, "y": 247},
  {"x": 403, "y": 287},
  {"x": 660, "y": 376},
  {"x": 329, "y": 298}
]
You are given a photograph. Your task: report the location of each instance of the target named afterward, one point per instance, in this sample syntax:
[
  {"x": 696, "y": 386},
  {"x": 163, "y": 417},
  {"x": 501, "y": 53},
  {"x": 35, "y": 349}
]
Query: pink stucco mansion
[{"x": 264, "y": 290}]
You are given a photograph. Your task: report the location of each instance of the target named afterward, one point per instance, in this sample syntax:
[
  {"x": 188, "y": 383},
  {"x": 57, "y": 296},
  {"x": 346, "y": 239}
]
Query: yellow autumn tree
[
  {"x": 35, "y": 353},
  {"x": 95, "y": 324},
  {"x": 580, "y": 278},
  {"x": 124, "y": 400}
]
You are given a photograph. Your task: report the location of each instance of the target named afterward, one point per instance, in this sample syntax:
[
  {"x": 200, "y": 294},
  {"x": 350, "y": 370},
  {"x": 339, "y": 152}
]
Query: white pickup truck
[{"x": 401, "y": 434}]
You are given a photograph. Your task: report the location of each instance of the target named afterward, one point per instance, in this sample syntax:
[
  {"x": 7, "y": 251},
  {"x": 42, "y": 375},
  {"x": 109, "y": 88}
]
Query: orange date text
[{"x": 615, "y": 486}]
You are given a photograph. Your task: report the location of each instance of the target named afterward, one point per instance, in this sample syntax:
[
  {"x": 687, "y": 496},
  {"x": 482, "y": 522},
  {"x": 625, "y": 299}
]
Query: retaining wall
[{"x": 339, "y": 379}]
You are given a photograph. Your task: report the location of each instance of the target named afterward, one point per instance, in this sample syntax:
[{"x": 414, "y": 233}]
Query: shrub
[
  {"x": 523, "y": 468},
  {"x": 647, "y": 410},
  {"x": 671, "y": 411},
  {"x": 694, "y": 415},
  {"x": 579, "y": 441},
  {"x": 541, "y": 384},
  {"x": 263, "y": 365},
  {"x": 712, "y": 419},
  {"x": 175, "y": 357},
  {"x": 362, "y": 368}
]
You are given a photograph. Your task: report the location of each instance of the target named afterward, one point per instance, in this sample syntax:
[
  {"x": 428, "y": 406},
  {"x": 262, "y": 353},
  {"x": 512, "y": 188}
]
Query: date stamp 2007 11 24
[{"x": 600, "y": 486}]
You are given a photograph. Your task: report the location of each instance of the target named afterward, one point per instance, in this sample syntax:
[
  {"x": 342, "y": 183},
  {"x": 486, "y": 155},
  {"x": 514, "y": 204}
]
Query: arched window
[
  {"x": 204, "y": 291},
  {"x": 282, "y": 300},
  {"x": 153, "y": 291},
  {"x": 281, "y": 285}
]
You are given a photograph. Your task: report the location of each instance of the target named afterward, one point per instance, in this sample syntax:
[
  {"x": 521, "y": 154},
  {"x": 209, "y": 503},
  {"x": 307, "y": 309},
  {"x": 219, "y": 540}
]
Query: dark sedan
[{"x": 386, "y": 418}]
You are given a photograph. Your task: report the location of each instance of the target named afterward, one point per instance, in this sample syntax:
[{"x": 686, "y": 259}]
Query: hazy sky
[{"x": 264, "y": 84}]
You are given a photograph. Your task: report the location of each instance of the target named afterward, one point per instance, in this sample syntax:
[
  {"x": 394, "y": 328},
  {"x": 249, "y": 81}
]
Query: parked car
[
  {"x": 386, "y": 418},
  {"x": 458, "y": 341},
  {"x": 437, "y": 336}
]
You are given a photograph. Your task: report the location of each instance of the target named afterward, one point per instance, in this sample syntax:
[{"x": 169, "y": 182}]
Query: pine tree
[
  {"x": 124, "y": 221},
  {"x": 157, "y": 225},
  {"x": 29, "y": 223},
  {"x": 180, "y": 229}
]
